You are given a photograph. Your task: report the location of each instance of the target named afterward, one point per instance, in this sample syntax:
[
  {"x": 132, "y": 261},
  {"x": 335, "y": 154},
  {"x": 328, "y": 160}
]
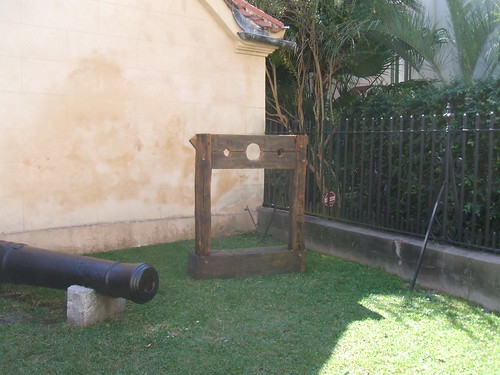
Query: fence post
[{"x": 448, "y": 116}]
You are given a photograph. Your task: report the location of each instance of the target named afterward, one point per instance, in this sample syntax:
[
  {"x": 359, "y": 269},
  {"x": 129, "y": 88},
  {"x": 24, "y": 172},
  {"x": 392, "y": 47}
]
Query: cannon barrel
[{"x": 23, "y": 264}]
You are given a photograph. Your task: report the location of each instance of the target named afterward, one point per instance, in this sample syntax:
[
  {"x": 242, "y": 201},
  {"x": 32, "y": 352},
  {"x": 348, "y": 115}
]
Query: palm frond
[
  {"x": 412, "y": 35},
  {"x": 475, "y": 31}
]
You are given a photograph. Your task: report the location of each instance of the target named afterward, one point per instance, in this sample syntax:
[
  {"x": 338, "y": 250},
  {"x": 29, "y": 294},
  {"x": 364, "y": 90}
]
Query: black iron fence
[{"x": 387, "y": 174}]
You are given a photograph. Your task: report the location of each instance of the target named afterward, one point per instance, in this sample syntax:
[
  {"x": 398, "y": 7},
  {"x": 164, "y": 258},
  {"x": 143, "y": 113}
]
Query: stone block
[{"x": 85, "y": 306}]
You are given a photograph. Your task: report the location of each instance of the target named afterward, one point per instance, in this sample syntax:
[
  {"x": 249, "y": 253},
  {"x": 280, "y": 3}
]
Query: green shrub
[{"x": 422, "y": 97}]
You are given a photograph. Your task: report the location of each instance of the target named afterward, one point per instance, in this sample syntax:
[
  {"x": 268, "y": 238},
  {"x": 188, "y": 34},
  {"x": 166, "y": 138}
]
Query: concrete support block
[{"x": 85, "y": 306}]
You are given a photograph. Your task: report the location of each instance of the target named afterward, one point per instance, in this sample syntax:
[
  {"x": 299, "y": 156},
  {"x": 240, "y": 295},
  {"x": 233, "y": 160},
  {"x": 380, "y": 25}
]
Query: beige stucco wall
[{"x": 98, "y": 101}]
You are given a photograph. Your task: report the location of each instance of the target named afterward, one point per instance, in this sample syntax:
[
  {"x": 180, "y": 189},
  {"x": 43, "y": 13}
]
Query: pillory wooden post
[{"x": 219, "y": 151}]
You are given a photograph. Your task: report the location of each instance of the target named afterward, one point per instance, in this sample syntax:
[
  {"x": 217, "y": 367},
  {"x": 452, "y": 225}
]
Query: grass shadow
[{"x": 281, "y": 324}]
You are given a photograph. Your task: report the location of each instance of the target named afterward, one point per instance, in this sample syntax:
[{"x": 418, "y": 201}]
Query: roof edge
[
  {"x": 257, "y": 15},
  {"x": 249, "y": 37},
  {"x": 277, "y": 42}
]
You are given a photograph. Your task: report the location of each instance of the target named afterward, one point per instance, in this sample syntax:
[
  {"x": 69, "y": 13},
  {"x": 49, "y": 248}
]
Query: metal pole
[
  {"x": 426, "y": 239},
  {"x": 449, "y": 116},
  {"x": 251, "y": 217},
  {"x": 269, "y": 223}
]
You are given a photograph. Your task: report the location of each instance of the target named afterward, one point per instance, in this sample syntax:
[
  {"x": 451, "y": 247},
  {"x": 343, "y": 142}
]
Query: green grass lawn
[{"x": 336, "y": 318}]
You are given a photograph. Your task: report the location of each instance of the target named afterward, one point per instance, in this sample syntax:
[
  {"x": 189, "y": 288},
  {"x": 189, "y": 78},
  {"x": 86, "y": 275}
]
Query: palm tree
[
  {"x": 466, "y": 48},
  {"x": 475, "y": 33}
]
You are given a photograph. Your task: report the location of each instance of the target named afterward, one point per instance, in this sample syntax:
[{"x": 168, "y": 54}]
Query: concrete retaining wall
[{"x": 471, "y": 275}]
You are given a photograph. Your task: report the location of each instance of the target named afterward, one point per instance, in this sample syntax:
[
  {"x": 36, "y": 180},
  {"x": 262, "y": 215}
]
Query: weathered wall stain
[{"x": 91, "y": 149}]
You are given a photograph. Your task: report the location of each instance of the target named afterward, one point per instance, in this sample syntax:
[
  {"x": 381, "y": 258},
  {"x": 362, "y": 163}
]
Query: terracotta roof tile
[{"x": 258, "y": 16}]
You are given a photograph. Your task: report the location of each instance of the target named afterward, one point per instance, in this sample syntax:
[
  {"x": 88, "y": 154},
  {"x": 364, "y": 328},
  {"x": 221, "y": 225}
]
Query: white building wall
[{"x": 98, "y": 102}]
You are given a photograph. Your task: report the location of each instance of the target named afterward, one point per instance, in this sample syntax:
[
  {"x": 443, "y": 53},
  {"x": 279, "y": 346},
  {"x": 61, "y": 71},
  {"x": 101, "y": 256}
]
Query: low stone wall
[{"x": 471, "y": 275}]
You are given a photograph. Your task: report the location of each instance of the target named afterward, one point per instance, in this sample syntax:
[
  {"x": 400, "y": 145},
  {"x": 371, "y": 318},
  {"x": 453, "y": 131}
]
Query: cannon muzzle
[{"x": 23, "y": 264}]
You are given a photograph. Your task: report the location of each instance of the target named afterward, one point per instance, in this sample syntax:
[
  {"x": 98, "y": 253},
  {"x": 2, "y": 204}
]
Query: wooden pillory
[{"x": 218, "y": 151}]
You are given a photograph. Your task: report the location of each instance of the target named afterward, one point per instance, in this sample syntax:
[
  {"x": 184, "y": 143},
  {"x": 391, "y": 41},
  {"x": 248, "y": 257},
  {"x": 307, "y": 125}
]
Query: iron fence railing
[{"x": 387, "y": 173}]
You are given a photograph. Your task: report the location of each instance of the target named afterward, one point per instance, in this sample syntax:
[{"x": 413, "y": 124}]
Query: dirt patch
[
  {"x": 18, "y": 317},
  {"x": 23, "y": 307}
]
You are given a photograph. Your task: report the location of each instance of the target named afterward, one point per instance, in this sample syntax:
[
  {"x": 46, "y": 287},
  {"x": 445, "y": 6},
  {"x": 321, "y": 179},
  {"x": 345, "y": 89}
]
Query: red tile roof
[{"x": 257, "y": 16}]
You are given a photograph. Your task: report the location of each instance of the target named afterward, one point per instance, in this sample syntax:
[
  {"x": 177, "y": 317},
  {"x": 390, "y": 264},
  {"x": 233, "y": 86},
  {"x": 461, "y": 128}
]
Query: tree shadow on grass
[{"x": 281, "y": 324}]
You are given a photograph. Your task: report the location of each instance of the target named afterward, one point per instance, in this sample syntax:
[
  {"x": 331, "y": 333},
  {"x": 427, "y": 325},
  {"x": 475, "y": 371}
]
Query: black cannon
[{"x": 23, "y": 264}]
